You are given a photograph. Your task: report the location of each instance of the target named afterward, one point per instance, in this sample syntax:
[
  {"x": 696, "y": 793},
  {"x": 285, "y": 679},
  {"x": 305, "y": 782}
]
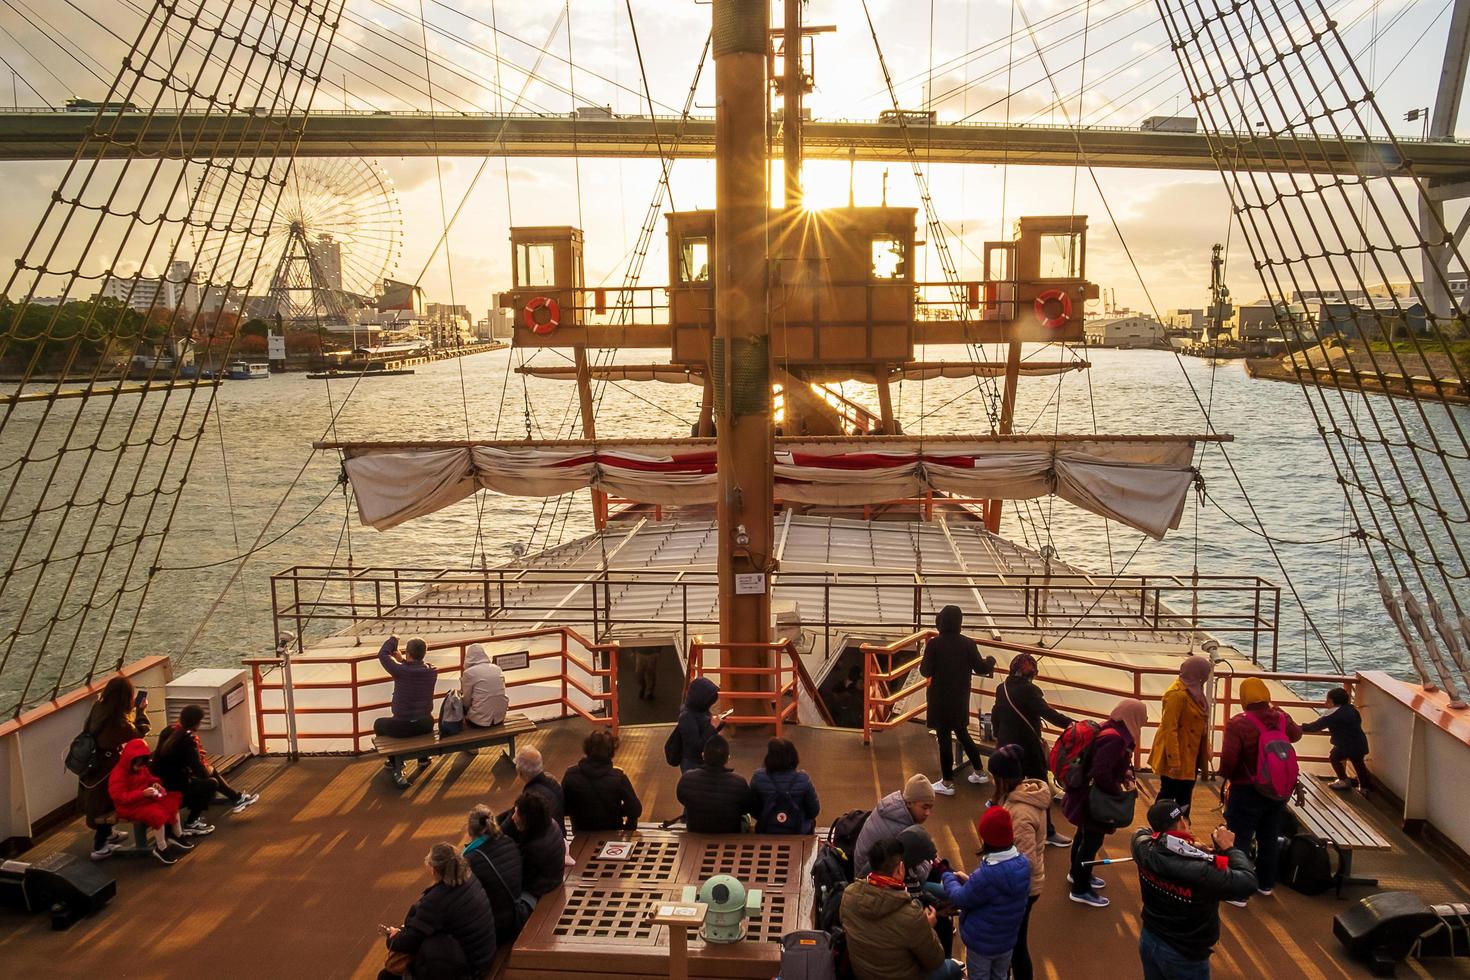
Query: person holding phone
[
  {"x": 696, "y": 725},
  {"x": 119, "y": 716}
]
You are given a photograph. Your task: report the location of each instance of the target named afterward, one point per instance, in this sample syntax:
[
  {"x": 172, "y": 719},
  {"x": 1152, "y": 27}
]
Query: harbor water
[{"x": 256, "y": 460}]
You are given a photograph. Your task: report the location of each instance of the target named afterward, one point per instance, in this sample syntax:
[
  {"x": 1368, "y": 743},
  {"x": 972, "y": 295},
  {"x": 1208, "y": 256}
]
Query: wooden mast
[
  {"x": 741, "y": 351},
  {"x": 1007, "y": 421}
]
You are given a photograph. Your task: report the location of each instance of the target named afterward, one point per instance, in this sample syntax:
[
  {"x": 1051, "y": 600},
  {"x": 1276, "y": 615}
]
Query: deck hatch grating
[
  {"x": 650, "y": 860},
  {"x": 758, "y": 864},
  {"x": 606, "y": 913}
]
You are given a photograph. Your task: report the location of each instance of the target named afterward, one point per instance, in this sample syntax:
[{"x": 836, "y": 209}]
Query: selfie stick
[{"x": 1086, "y": 864}]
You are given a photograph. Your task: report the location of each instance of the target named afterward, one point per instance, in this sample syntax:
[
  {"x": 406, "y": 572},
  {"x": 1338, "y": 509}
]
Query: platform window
[
  {"x": 1061, "y": 256},
  {"x": 535, "y": 264},
  {"x": 694, "y": 260},
  {"x": 889, "y": 258}
]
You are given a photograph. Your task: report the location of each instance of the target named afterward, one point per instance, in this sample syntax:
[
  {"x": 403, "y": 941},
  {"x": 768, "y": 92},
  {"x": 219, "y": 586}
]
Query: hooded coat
[
  {"x": 1180, "y": 749},
  {"x": 1242, "y": 743},
  {"x": 890, "y": 816},
  {"x": 695, "y": 724},
  {"x": 128, "y": 787},
  {"x": 600, "y": 797},
  {"x": 482, "y": 686},
  {"x": 888, "y": 937},
  {"x": 949, "y": 660},
  {"x": 991, "y": 901},
  {"x": 1027, "y": 805}
]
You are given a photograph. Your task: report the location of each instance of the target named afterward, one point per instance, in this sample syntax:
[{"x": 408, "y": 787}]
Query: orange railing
[
  {"x": 273, "y": 674},
  {"x": 879, "y": 701},
  {"x": 774, "y": 701}
]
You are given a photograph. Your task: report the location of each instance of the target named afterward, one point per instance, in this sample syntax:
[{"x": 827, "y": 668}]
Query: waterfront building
[{"x": 1125, "y": 331}]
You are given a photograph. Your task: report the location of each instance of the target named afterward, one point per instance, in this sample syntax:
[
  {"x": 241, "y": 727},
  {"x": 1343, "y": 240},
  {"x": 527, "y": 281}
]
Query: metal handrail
[
  {"x": 877, "y": 702},
  {"x": 785, "y": 658},
  {"x": 262, "y": 667}
]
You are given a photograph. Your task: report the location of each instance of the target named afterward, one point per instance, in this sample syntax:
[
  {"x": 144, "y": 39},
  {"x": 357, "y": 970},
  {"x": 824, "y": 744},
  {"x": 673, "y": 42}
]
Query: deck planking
[{"x": 295, "y": 885}]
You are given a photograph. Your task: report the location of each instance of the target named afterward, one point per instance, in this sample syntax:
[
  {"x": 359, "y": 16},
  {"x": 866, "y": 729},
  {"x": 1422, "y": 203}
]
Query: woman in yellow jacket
[{"x": 1181, "y": 747}]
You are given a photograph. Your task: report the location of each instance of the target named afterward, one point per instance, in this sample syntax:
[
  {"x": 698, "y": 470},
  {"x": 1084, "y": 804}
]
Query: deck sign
[
  {"x": 752, "y": 583},
  {"x": 615, "y": 850},
  {"x": 233, "y": 698},
  {"x": 519, "y": 660}
]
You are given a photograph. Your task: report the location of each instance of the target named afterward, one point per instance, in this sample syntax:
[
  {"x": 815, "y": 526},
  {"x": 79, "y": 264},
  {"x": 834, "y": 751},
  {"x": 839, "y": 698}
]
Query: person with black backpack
[
  {"x": 685, "y": 745},
  {"x": 785, "y": 799}
]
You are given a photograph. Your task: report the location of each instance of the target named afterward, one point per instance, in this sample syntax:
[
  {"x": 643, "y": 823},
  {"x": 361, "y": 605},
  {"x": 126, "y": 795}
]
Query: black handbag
[{"x": 1109, "y": 809}]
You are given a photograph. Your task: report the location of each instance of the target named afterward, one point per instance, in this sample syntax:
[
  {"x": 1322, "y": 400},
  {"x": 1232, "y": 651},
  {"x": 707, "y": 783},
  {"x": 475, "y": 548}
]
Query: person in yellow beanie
[{"x": 1259, "y": 765}]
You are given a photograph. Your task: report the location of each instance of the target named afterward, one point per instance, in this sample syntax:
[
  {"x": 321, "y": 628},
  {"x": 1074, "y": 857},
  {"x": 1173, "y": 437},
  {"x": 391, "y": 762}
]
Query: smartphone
[{"x": 140, "y": 697}]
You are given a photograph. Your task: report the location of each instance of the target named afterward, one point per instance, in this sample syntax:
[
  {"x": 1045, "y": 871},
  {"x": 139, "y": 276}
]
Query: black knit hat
[
  {"x": 1005, "y": 762},
  {"x": 1163, "y": 815}
]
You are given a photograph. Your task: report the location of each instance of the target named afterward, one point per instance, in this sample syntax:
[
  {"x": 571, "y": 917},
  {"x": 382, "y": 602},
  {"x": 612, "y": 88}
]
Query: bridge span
[{"x": 35, "y": 134}]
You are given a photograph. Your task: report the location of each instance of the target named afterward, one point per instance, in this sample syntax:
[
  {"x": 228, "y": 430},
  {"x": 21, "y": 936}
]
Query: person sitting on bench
[
  {"x": 413, "y": 697},
  {"x": 181, "y": 764},
  {"x": 715, "y": 798},
  {"x": 482, "y": 686},
  {"x": 543, "y": 849},
  {"x": 139, "y": 797}
]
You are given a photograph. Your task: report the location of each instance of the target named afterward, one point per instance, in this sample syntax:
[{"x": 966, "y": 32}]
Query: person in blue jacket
[
  {"x": 695, "y": 723},
  {"x": 992, "y": 898},
  {"x": 786, "y": 800}
]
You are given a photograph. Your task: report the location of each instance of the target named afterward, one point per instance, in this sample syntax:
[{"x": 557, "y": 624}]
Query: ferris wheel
[{"x": 323, "y": 233}]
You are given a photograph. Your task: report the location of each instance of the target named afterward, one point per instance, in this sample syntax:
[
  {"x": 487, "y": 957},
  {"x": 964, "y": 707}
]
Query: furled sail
[{"x": 1140, "y": 481}]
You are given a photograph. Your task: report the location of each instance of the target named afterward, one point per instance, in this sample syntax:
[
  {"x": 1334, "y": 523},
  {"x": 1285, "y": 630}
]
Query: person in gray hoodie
[
  {"x": 482, "y": 686},
  {"x": 904, "y": 808}
]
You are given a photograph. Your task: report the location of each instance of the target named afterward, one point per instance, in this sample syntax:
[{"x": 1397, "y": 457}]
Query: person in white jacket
[{"x": 482, "y": 686}]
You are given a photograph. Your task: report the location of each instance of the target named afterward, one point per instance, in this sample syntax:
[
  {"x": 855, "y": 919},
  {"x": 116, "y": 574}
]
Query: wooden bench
[
  {"x": 423, "y": 746},
  {"x": 1324, "y": 814}
]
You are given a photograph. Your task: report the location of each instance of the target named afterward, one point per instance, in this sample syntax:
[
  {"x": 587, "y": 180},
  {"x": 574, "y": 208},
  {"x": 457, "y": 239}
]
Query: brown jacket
[
  {"x": 1027, "y": 805},
  {"x": 888, "y": 937},
  {"x": 111, "y": 735},
  {"x": 1180, "y": 747}
]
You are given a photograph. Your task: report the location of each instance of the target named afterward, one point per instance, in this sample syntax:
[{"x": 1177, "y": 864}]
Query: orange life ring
[
  {"x": 553, "y": 315},
  {"x": 1062, "y": 300}
]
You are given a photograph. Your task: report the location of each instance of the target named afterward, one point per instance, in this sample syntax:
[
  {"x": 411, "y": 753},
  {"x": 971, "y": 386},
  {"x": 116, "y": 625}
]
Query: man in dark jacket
[
  {"x": 182, "y": 765},
  {"x": 1250, "y": 814},
  {"x": 889, "y": 936},
  {"x": 1349, "y": 742},
  {"x": 949, "y": 660},
  {"x": 1019, "y": 709},
  {"x": 695, "y": 724},
  {"x": 412, "y": 712},
  {"x": 533, "y": 775},
  {"x": 715, "y": 799},
  {"x": 1183, "y": 886},
  {"x": 598, "y": 794}
]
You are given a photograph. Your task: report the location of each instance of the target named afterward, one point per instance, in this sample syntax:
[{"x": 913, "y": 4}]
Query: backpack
[
  {"x": 83, "y": 755},
  {"x": 843, "y": 835},
  {"x": 780, "y": 814},
  {"x": 451, "y": 714},
  {"x": 831, "y": 875},
  {"x": 1071, "y": 756},
  {"x": 1306, "y": 864},
  {"x": 674, "y": 748},
  {"x": 807, "y": 955},
  {"x": 1276, "y": 771}
]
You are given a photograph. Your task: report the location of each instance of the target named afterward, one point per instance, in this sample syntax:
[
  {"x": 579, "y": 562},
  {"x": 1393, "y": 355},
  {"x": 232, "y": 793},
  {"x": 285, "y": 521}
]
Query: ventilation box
[{"x": 224, "y": 695}]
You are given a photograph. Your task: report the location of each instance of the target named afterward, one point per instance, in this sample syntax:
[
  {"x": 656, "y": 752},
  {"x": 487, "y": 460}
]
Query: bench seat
[
  {"x": 1325, "y": 815},
  {"x": 422, "y": 746}
]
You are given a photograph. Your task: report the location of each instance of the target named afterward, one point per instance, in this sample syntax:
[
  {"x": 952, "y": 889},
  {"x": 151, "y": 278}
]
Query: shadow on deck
[{"x": 296, "y": 885}]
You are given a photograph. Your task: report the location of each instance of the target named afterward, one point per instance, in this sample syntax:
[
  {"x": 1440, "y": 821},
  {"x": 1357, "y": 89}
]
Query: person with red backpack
[
  {"x": 1106, "y": 764},
  {"x": 1259, "y": 764}
]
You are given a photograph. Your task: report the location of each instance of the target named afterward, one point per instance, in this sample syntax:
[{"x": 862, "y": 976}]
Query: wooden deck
[{"x": 296, "y": 884}]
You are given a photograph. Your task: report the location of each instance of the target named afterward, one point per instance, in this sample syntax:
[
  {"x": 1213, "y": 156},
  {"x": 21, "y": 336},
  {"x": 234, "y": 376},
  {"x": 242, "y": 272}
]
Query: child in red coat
[{"x": 137, "y": 795}]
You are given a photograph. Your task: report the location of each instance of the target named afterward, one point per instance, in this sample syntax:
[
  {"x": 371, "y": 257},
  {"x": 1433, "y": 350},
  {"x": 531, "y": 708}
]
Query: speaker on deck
[
  {"x": 63, "y": 883},
  {"x": 1381, "y": 929}
]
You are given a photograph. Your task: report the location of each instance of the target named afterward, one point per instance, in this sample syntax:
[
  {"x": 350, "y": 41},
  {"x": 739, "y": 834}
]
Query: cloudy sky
[{"x": 1106, "y": 63}]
